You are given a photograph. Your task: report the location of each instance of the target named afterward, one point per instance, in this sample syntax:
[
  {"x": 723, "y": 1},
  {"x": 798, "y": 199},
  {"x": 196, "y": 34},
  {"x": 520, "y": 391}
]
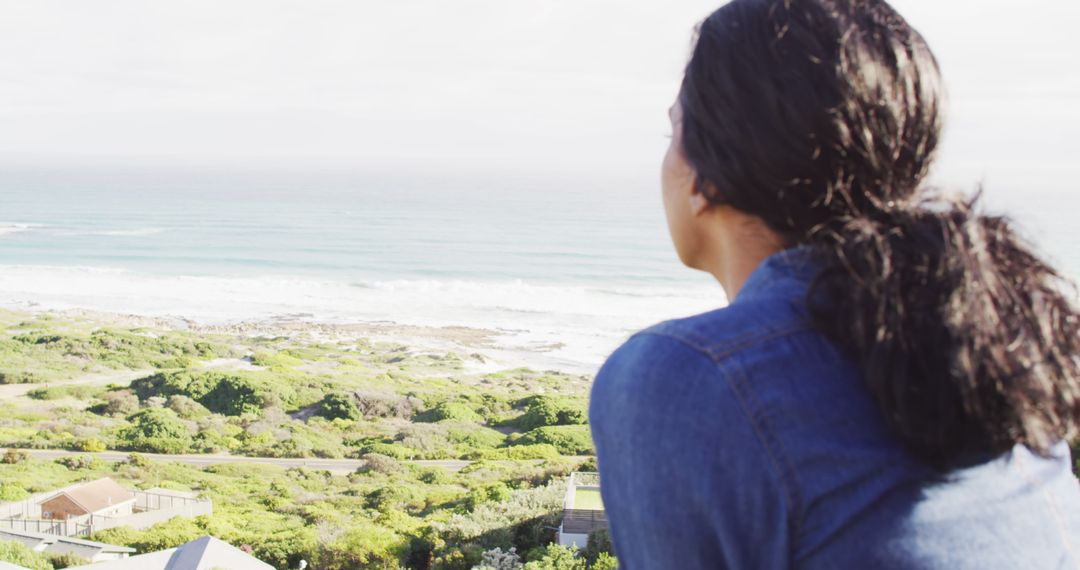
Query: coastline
[
  {"x": 559, "y": 325},
  {"x": 487, "y": 349}
]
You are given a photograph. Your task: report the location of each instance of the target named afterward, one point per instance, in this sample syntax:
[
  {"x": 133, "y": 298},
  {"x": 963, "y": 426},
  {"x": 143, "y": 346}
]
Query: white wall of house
[{"x": 573, "y": 540}]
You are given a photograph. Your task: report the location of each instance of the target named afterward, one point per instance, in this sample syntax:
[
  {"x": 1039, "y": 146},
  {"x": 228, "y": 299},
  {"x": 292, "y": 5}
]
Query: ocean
[
  {"x": 565, "y": 266},
  {"x": 562, "y": 265}
]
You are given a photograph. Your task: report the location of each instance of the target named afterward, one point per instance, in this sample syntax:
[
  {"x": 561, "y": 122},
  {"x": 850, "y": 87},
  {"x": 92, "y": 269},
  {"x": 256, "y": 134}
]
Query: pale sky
[{"x": 581, "y": 85}]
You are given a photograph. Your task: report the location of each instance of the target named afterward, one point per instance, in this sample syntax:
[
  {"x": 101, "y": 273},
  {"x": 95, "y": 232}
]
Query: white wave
[
  {"x": 129, "y": 233},
  {"x": 585, "y": 323},
  {"x": 7, "y": 229}
]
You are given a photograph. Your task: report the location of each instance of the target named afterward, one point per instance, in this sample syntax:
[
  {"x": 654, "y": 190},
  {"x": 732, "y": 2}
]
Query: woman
[{"x": 894, "y": 379}]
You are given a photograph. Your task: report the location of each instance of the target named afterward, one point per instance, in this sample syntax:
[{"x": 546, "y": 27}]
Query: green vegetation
[
  {"x": 541, "y": 411},
  {"x": 383, "y": 403},
  {"x": 157, "y": 430},
  {"x": 450, "y": 411},
  {"x": 42, "y": 350},
  {"x": 16, "y": 553},
  {"x": 390, "y": 515},
  {"x": 570, "y": 440},
  {"x": 339, "y": 406}
]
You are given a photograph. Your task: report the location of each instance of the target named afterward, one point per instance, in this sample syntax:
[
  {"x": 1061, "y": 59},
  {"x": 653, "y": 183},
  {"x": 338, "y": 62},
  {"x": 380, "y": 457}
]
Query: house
[
  {"x": 104, "y": 497},
  {"x": 205, "y": 553},
  {"x": 54, "y": 544},
  {"x": 10, "y": 566},
  {"x": 583, "y": 510}
]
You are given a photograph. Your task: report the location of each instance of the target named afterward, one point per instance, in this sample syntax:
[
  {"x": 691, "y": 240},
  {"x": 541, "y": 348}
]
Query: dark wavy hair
[{"x": 821, "y": 117}]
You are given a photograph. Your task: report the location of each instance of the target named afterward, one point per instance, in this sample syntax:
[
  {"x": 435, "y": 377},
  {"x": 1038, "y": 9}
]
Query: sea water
[{"x": 565, "y": 265}]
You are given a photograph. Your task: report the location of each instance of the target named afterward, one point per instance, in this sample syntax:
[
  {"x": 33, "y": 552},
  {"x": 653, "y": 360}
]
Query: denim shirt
[{"x": 742, "y": 438}]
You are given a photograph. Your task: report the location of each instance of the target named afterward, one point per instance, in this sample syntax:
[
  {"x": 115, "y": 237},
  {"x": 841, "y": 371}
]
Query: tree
[
  {"x": 157, "y": 430},
  {"x": 498, "y": 560},
  {"x": 337, "y": 405},
  {"x": 556, "y": 557},
  {"x": 598, "y": 545}
]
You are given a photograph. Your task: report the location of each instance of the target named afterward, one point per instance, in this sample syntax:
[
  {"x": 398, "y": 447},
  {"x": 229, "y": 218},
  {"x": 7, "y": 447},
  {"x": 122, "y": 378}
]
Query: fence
[
  {"x": 70, "y": 527},
  {"x": 150, "y": 509},
  {"x": 577, "y": 521}
]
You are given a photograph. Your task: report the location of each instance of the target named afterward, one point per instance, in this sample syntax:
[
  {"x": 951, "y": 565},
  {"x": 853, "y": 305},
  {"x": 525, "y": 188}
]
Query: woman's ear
[{"x": 698, "y": 202}]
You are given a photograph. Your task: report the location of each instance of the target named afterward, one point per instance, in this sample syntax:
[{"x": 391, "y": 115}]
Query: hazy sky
[{"x": 561, "y": 84}]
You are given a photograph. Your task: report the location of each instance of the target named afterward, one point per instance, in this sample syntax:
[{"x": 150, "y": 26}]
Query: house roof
[
  {"x": 96, "y": 495},
  {"x": 10, "y": 566},
  {"x": 54, "y": 539},
  {"x": 204, "y": 553}
]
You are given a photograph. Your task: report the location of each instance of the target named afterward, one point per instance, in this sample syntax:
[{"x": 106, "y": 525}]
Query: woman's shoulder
[
  {"x": 681, "y": 362},
  {"x": 721, "y": 333}
]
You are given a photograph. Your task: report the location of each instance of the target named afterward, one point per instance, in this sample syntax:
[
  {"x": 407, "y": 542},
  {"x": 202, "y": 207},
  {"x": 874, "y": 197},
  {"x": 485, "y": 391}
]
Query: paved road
[{"x": 339, "y": 466}]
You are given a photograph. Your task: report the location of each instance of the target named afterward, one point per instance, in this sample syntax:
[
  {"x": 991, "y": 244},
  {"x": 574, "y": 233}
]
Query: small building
[
  {"x": 205, "y": 553},
  {"x": 583, "y": 510},
  {"x": 103, "y": 497},
  {"x": 54, "y": 544}
]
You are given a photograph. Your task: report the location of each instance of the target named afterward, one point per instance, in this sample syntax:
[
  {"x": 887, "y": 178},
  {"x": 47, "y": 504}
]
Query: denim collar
[{"x": 789, "y": 269}]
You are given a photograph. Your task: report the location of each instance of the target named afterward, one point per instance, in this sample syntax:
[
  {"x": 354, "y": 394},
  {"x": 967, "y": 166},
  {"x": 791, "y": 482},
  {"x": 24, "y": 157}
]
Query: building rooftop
[
  {"x": 55, "y": 539},
  {"x": 205, "y": 553},
  {"x": 97, "y": 495}
]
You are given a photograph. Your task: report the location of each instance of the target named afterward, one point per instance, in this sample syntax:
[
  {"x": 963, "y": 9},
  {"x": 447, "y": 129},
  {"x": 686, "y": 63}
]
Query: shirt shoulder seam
[{"x": 719, "y": 351}]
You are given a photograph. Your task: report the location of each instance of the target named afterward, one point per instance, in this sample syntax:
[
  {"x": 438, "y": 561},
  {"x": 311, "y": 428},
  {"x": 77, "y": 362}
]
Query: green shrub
[
  {"x": 475, "y": 437},
  {"x": 569, "y": 440},
  {"x": 13, "y": 456},
  {"x": 599, "y": 543},
  {"x": 19, "y": 377},
  {"x": 338, "y": 405},
  {"x": 67, "y": 560},
  {"x": 541, "y": 411},
  {"x": 605, "y": 561},
  {"x": 447, "y": 411},
  {"x": 18, "y": 554},
  {"x": 395, "y": 496},
  {"x": 496, "y": 492},
  {"x": 77, "y": 391},
  {"x": 388, "y": 449},
  {"x": 361, "y": 545},
  {"x": 556, "y": 557},
  {"x": 386, "y": 404},
  {"x": 516, "y": 452},
  {"x": 433, "y": 475},
  {"x": 231, "y": 394},
  {"x": 79, "y": 462},
  {"x": 118, "y": 403},
  {"x": 281, "y": 360},
  {"x": 374, "y": 462},
  {"x": 156, "y": 430},
  {"x": 12, "y": 493},
  {"x": 91, "y": 445}
]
